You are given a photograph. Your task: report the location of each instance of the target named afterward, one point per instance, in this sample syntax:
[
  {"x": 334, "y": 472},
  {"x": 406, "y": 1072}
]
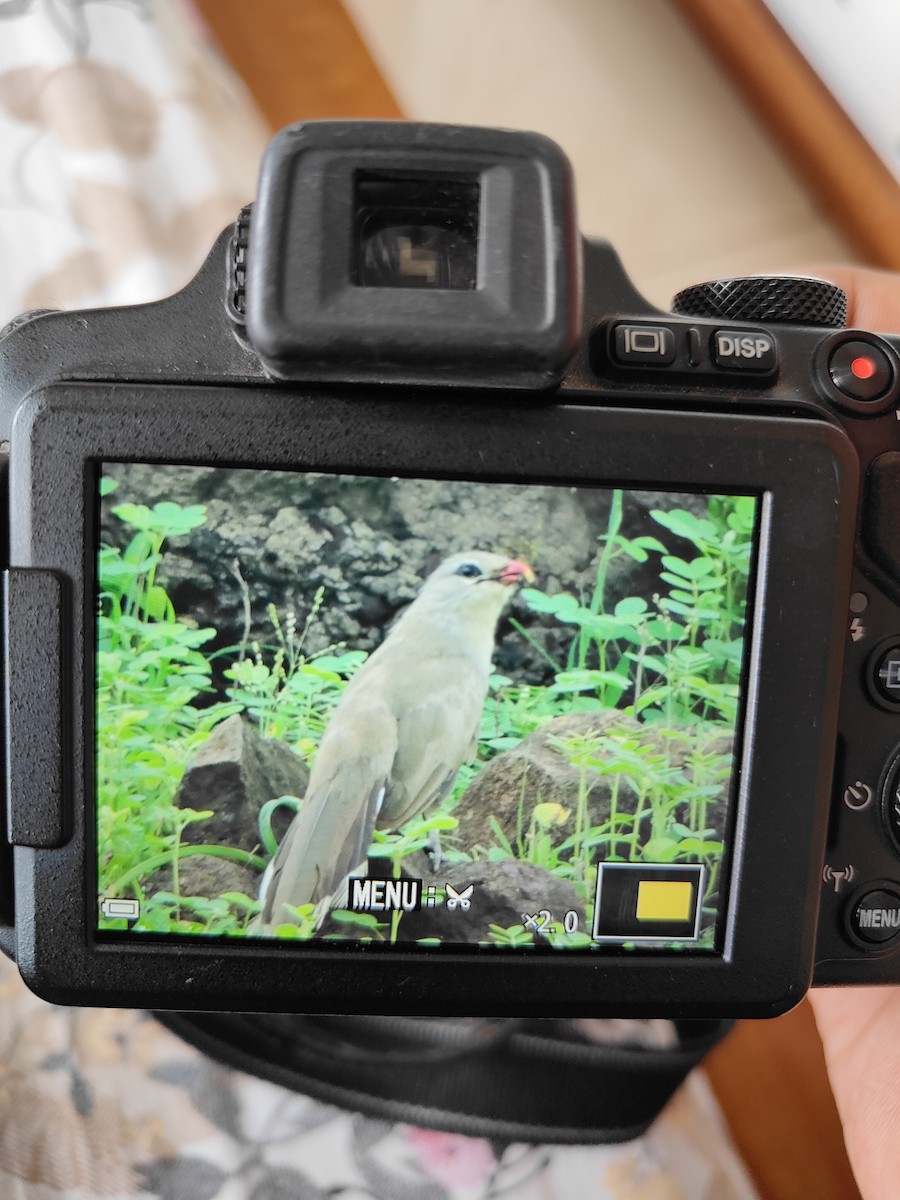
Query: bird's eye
[{"x": 470, "y": 570}]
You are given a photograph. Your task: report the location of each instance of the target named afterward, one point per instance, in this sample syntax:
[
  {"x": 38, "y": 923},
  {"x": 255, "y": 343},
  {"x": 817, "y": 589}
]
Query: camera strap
[{"x": 512, "y": 1080}]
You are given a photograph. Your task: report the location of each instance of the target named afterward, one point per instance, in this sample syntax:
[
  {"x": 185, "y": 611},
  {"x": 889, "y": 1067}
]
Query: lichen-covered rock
[
  {"x": 233, "y": 774},
  {"x": 277, "y": 537},
  {"x": 567, "y": 762}
]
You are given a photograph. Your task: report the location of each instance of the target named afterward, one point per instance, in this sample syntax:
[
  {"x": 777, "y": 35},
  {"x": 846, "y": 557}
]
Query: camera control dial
[{"x": 775, "y": 299}]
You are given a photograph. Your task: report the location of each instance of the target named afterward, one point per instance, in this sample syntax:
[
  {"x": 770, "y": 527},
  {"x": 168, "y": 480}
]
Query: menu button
[{"x": 875, "y": 916}]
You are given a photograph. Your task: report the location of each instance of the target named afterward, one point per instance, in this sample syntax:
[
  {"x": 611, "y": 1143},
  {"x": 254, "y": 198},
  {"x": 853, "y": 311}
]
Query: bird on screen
[{"x": 404, "y": 725}]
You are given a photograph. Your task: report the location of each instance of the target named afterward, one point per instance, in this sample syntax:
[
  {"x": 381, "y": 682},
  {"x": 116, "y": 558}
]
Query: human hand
[{"x": 860, "y": 1027}]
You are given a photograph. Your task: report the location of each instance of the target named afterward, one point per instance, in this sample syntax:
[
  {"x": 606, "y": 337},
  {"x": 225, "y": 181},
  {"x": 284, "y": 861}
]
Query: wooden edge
[
  {"x": 771, "y": 1083},
  {"x": 300, "y": 61},
  {"x": 851, "y": 182}
]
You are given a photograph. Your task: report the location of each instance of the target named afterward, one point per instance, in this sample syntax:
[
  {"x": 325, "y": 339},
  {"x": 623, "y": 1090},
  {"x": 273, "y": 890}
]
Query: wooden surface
[
  {"x": 306, "y": 60},
  {"x": 301, "y": 60},
  {"x": 853, "y": 185},
  {"x": 770, "y": 1080}
]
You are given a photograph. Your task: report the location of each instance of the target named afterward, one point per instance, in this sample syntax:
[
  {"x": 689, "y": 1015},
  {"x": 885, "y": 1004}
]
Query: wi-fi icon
[{"x": 844, "y": 875}]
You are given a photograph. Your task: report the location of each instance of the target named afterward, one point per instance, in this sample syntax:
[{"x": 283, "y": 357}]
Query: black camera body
[{"x": 407, "y": 322}]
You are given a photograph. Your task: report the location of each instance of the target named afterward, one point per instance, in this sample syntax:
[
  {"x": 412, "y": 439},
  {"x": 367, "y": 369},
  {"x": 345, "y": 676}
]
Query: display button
[
  {"x": 875, "y": 916},
  {"x": 743, "y": 350},
  {"x": 648, "y": 901},
  {"x": 860, "y": 370},
  {"x": 644, "y": 345}
]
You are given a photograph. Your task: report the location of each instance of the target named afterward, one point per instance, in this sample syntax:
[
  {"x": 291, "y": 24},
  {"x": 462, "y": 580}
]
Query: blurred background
[
  {"x": 705, "y": 140},
  {"x": 708, "y": 138}
]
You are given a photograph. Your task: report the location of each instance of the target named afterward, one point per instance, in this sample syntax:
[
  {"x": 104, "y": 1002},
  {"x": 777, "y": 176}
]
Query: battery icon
[{"x": 118, "y": 910}]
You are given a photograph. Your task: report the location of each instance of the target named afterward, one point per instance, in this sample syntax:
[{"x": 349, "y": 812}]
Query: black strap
[{"x": 513, "y": 1080}]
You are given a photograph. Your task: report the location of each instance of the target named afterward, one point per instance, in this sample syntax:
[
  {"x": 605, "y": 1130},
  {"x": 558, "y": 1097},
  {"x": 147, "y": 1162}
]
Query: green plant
[
  {"x": 289, "y": 693},
  {"x": 153, "y": 678},
  {"x": 150, "y": 670},
  {"x": 670, "y": 662},
  {"x": 673, "y": 662}
]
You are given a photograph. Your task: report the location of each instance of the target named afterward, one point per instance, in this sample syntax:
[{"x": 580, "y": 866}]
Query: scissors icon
[{"x": 461, "y": 899}]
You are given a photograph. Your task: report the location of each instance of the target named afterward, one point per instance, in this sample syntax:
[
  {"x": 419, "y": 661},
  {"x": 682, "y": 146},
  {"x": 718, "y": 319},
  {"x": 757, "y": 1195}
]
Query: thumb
[{"x": 873, "y": 297}]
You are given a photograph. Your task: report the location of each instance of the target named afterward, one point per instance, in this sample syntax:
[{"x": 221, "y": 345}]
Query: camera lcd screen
[{"x": 344, "y": 710}]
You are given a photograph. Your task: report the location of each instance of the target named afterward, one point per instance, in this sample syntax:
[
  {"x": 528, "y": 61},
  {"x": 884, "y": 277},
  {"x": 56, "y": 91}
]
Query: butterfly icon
[{"x": 461, "y": 899}]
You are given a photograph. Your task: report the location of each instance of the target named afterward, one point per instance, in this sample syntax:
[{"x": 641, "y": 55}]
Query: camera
[{"x": 408, "y": 617}]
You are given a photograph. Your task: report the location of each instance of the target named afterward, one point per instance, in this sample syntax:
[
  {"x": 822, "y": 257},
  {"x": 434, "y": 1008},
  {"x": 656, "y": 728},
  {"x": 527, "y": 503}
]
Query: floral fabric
[
  {"x": 126, "y": 145},
  {"x": 98, "y": 1104}
]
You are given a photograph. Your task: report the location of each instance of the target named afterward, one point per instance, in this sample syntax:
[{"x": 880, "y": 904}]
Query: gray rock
[
  {"x": 275, "y": 537},
  {"x": 234, "y": 773},
  {"x": 541, "y": 771}
]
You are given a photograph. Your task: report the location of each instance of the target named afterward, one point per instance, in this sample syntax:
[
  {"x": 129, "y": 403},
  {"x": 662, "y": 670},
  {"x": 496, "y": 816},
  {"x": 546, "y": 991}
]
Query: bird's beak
[{"x": 516, "y": 572}]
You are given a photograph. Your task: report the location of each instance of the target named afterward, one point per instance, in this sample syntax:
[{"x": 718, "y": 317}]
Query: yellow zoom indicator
[{"x": 665, "y": 900}]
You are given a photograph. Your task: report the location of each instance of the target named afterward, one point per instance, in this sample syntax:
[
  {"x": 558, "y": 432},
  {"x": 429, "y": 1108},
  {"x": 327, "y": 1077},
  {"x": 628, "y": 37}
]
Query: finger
[
  {"x": 873, "y": 297},
  {"x": 860, "y": 1029}
]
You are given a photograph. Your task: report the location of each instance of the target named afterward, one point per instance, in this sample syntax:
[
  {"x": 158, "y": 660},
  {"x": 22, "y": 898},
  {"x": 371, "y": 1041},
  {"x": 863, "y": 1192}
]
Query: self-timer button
[{"x": 860, "y": 370}]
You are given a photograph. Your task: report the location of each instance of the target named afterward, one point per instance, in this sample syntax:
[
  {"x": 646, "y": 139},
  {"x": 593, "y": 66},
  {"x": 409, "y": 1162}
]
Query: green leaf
[
  {"x": 139, "y": 552},
  {"x": 156, "y": 603},
  {"x": 700, "y": 846},
  {"x": 585, "y": 680},
  {"x": 684, "y": 524},
  {"x": 136, "y": 515},
  {"x": 500, "y": 835},
  {"x": 174, "y": 519},
  {"x": 630, "y": 608},
  {"x": 661, "y": 849},
  {"x": 600, "y": 625},
  {"x": 339, "y": 664},
  {"x": 562, "y": 606},
  {"x": 649, "y": 543}
]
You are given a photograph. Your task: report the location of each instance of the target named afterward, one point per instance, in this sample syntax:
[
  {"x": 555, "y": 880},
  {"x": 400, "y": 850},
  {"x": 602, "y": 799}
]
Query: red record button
[
  {"x": 863, "y": 367},
  {"x": 860, "y": 370}
]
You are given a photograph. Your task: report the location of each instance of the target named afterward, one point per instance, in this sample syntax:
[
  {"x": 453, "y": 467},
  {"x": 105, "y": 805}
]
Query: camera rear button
[
  {"x": 875, "y": 916},
  {"x": 644, "y": 345},
  {"x": 884, "y": 674},
  {"x": 860, "y": 370},
  {"x": 743, "y": 350}
]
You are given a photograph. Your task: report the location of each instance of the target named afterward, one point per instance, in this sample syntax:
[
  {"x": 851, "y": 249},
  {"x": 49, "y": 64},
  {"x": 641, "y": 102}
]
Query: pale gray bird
[{"x": 406, "y": 722}]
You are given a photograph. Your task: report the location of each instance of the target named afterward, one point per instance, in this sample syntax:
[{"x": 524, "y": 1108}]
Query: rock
[
  {"x": 203, "y": 875},
  {"x": 276, "y": 537},
  {"x": 540, "y": 771},
  {"x": 234, "y": 773}
]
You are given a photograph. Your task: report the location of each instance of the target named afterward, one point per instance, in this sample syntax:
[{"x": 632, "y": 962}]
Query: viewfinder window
[{"x": 416, "y": 232}]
